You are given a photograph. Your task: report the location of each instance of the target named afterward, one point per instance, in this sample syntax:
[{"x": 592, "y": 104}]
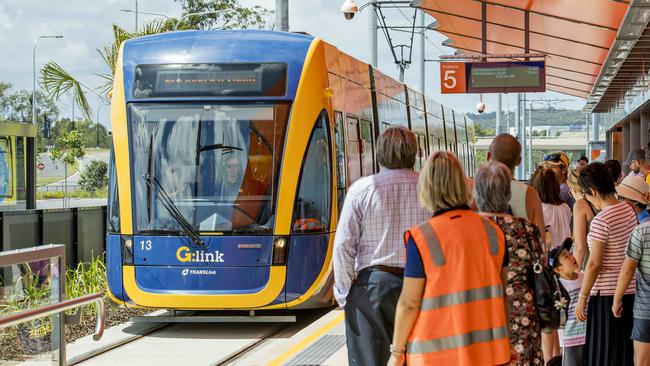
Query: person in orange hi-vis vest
[{"x": 452, "y": 308}]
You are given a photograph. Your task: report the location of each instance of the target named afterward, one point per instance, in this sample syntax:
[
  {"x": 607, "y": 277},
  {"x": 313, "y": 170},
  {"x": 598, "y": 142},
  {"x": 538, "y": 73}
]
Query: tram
[
  {"x": 232, "y": 152},
  {"x": 13, "y": 153}
]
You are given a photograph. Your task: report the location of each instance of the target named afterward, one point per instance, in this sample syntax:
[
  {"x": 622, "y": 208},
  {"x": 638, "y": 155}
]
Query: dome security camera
[
  {"x": 349, "y": 9},
  {"x": 480, "y": 107}
]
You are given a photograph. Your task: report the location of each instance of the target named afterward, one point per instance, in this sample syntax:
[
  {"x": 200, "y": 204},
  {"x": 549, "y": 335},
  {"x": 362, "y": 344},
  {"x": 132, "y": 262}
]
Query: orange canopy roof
[{"x": 575, "y": 35}]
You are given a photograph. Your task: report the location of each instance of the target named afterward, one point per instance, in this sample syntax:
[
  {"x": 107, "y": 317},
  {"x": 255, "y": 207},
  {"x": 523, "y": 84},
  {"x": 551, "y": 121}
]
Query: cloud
[{"x": 86, "y": 26}]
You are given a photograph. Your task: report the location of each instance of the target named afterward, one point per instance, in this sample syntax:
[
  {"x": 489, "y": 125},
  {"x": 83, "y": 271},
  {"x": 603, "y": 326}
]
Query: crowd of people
[{"x": 433, "y": 268}]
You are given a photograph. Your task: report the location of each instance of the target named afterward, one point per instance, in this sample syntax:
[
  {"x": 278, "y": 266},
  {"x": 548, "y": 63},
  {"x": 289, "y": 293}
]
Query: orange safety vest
[{"x": 462, "y": 317}]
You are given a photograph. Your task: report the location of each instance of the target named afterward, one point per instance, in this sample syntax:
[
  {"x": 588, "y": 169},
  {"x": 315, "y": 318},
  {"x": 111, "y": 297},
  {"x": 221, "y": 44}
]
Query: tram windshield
[{"x": 218, "y": 163}]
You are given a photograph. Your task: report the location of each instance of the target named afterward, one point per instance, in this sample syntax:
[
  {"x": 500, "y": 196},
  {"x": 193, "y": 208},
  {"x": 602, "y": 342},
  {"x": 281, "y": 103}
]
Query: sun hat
[{"x": 633, "y": 188}]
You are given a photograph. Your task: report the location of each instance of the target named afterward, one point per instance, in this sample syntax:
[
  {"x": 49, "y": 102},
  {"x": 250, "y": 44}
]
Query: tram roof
[
  {"x": 576, "y": 35},
  {"x": 218, "y": 46}
]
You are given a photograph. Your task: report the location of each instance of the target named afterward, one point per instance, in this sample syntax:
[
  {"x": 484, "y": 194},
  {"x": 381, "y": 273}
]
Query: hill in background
[{"x": 486, "y": 122}]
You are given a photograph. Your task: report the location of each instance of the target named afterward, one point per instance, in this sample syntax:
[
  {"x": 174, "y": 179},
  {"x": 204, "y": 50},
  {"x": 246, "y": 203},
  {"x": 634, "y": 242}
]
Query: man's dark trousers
[{"x": 370, "y": 317}]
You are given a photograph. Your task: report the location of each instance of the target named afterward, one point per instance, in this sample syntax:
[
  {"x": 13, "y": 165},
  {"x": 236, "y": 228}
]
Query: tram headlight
[
  {"x": 127, "y": 250},
  {"x": 280, "y": 251}
]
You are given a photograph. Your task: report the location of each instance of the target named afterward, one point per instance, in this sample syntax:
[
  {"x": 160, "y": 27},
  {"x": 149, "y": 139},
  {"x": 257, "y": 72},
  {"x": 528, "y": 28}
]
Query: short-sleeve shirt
[
  {"x": 613, "y": 226},
  {"x": 639, "y": 251},
  {"x": 574, "y": 332},
  {"x": 414, "y": 267}
]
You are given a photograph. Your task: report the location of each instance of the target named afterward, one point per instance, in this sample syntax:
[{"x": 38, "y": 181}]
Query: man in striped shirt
[
  {"x": 638, "y": 258},
  {"x": 369, "y": 253}
]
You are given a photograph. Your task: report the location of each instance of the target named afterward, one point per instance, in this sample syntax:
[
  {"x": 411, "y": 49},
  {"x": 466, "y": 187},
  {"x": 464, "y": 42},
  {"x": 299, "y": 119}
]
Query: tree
[
  {"x": 67, "y": 150},
  {"x": 17, "y": 106},
  {"x": 226, "y": 14},
  {"x": 229, "y": 14},
  {"x": 94, "y": 176}
]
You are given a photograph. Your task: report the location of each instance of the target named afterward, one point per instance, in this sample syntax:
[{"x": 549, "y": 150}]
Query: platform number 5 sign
[{"x": 452, "y": 77}]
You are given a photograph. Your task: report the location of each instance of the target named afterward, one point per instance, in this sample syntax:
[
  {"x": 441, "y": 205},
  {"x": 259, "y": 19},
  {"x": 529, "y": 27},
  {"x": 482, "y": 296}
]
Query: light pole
[
  {"x": 34, "y": 75},
  {"x": 136, "y": 16},
  {"x": 145, "y": 12},
  {"x": 31, "y": 141},
  {"x": 97, "y": 125},
  {"x": 193, "y": 14}
]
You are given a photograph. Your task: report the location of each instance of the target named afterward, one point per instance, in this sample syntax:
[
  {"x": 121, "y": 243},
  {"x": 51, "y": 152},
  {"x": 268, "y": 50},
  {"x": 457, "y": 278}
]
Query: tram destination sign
[
  {"x": 493, "y": 77},
  {"x": 209, "y": 80}
]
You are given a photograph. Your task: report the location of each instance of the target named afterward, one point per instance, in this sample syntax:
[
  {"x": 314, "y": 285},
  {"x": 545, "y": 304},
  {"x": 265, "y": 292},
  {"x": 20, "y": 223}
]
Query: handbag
[{"x": 551, "y": 299}]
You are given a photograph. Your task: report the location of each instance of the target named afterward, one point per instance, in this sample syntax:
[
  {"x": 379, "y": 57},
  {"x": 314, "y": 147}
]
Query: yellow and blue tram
[
  {"x": 232, "y": 153},
  {"x": 13, "y": 164}
]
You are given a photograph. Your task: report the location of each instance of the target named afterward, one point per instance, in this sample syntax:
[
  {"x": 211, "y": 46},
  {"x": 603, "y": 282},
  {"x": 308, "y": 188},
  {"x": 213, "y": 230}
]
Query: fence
[
  {"x": 56, "y": 305},
  {"x": 82, "y": 230},
  {"x": 58, "y": 187}
]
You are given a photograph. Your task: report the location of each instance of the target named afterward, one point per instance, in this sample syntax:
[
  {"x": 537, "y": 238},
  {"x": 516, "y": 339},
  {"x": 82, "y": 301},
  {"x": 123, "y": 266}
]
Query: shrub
[{"x": 94, "y": 176}]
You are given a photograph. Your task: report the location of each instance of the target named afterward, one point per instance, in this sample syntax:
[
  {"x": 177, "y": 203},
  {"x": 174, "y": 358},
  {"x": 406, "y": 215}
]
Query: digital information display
[
  {"x": 205, "y": 80},
  {"x": 505, "y": 77}
]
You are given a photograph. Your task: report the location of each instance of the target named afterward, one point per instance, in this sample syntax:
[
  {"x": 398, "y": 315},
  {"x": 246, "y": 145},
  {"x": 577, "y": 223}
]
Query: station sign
[{"x": 492, "y": 77}]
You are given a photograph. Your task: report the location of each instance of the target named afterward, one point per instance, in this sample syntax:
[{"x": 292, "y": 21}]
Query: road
[
  {"x": 53, "y": 169},
  {"x": 73, "y": 202}
]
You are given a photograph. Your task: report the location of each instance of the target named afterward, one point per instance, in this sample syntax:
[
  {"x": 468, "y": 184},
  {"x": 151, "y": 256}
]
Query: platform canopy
[{"x": 575, "y": 35}]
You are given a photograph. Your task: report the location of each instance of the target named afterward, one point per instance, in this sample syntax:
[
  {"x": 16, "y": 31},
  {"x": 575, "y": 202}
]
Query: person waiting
[
  {"x": 559, "y": 162},
  {"x": 492, "y": 194},
  {"x": 574, "y": 332},
  {"x": 452, "y": 307},
  {"x": 369, "y": 253},
  {"x": 557, "y": 213},
  {"x": 608, "y": 338},
  {"x": 583, "y": 213},
  {"x": 637, "y": 260},
  {"x": 634, "y": 191},
  {"x": 524, "y": 200}
]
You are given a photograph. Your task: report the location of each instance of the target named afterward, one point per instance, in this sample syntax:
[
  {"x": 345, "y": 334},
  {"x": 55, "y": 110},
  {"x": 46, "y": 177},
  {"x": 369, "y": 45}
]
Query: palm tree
[
  {"x": 56, "y": 81},
  {"x": 218, "y": 14}
]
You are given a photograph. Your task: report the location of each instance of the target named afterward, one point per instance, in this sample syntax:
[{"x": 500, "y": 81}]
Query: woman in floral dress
[{"x": 491, "y": 194}]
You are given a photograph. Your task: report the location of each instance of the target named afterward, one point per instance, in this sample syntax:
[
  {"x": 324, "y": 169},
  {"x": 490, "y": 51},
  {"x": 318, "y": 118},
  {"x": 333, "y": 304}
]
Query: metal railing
[
  {"x": 53, "y": 309},
  {"x": 55, "y": 253}
]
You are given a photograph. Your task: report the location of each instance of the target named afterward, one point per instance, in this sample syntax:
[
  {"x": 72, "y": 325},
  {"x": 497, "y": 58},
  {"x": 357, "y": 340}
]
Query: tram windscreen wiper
[
  {"x": 219, "y": 147},
  {"x": 187, "y": 228}
]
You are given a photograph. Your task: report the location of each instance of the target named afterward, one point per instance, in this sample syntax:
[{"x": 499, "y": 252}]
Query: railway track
[{"x": 195, "y": 343}]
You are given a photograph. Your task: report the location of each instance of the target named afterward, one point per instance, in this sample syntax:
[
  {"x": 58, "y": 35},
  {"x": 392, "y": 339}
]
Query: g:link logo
[{"x": 184, "y": 255}]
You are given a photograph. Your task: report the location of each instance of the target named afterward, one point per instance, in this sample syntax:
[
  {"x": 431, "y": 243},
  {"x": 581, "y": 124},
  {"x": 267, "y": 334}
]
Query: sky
[{"x": 86, "y": 26}]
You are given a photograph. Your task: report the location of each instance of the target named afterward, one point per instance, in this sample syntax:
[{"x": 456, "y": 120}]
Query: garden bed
[
  {"x": 21, "y": 342},
  {"x": 15, "y": 347}
]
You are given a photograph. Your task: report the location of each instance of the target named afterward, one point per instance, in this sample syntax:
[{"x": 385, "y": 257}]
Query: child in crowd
[{"x": 573, "y": 334}]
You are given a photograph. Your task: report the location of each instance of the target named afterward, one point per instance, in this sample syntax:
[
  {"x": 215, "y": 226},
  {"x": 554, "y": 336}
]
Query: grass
[{"x": 79, "y": 193}]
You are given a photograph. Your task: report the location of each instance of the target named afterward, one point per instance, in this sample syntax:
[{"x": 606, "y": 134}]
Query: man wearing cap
[
  {"x": 634, "y": 191},
  {"x": 559, "y": 162},
  {"x": 637, "y": 163}
]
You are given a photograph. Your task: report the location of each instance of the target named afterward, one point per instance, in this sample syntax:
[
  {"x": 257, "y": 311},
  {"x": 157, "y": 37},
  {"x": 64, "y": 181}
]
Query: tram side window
[
  {"x": 21, "y": 181},
  {"x": 422, "y": 152},
  {"x": 113, "y": 203},
  {"x": 6, "y": 171},
  {"x": 340, "y": 157},
  {"x": 312, "y": 208},
  {"x": 368, "y": 148}
]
